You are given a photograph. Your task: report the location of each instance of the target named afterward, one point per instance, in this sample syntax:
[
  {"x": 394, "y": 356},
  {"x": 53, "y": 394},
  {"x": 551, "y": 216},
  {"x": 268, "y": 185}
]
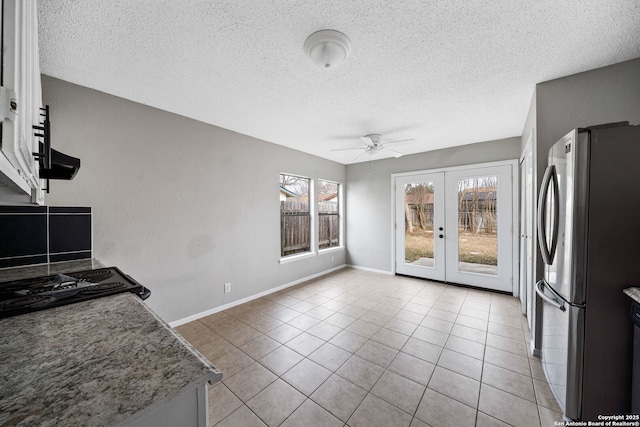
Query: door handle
[
  {"x": 557, "y": 304},
  {"x": 550, "y": 178}
]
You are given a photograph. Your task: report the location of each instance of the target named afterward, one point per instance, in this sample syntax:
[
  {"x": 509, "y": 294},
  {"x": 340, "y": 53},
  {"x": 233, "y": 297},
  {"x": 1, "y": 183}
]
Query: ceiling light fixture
[{"x": 327, "y": 48}]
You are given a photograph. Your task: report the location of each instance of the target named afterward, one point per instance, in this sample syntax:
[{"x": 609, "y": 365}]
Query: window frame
[
  {"x": 310, "y": 214},
  {"x": 314, "y": 220}
]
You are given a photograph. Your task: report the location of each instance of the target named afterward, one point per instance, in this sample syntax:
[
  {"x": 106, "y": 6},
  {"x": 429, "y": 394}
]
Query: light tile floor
[{"x": 358, "y": 348}]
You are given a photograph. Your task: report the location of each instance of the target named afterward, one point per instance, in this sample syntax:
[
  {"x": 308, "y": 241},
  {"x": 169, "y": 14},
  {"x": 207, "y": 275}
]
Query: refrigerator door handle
[
  {"x": 559, "y": 303},
  {"x": 550, "y": 178}
]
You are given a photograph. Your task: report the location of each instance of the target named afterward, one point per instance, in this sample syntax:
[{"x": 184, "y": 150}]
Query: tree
[
  {"x": 477, "y": 203},
  {"x": 463, "y": 205},
  {"x": 327, "y": 187},
  {"x": 420, "y": 196},
  {"x": 295, "y": 184},
  {"x": 408, "y": 212},
  {"x": 490, "y": 184}
]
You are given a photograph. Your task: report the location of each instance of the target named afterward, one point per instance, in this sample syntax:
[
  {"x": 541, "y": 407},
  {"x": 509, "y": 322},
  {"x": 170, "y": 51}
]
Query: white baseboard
[
  {"x": 250, "y": 298},
  {"x": 373, "y": 270}
]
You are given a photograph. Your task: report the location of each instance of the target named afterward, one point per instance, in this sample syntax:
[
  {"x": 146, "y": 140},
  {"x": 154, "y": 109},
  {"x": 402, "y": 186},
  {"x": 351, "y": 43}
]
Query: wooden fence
[
  {"x": 328, "y": 225},
  {"x": 328, "y": 230},
  {"x": 295, "y": 225}
]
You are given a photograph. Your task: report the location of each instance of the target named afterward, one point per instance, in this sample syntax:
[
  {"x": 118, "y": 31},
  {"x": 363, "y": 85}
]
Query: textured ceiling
[{"x": 445, "y": 73}]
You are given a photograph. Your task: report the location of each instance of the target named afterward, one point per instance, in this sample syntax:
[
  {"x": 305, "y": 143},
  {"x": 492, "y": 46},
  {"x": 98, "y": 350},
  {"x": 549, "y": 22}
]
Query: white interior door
[
  {"x": 456, "y": 226},
  {"x": 523, "y": 239},
  {"x": 420, "y": 223},
  {"x": 527, "y": 212}
]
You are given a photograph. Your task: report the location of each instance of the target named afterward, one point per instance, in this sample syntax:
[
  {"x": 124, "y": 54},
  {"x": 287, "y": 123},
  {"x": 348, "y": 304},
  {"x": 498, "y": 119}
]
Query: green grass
[
  {"x": 481, "y": 248},
  {"x": 418, "y": 244}
]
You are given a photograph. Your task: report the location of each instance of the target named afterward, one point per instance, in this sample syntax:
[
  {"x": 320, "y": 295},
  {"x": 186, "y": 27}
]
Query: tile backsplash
[{"x": 40, "y": 234}]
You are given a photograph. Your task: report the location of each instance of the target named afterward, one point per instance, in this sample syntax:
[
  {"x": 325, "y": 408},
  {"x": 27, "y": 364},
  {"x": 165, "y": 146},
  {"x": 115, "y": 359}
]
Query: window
[
  {"x": 328, "y": 214},
  {"x": 309, "y": 217},
  {"x": 295, "y": 215}
]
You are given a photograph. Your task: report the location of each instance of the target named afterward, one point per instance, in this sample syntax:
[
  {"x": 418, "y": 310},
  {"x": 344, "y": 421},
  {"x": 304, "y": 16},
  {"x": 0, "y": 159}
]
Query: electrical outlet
[
  {"x": 331, "y": 258},
  {"x": 227, "y": 288}
]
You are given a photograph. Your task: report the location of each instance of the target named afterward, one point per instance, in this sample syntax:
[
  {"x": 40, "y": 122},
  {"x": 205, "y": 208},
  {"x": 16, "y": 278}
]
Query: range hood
[
  {"x": 61, "y": 166},
  {"x": 53, "y": 164}
]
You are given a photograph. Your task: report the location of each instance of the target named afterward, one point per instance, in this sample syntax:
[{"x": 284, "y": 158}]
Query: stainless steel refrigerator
[{"x": 589, "y": 237}]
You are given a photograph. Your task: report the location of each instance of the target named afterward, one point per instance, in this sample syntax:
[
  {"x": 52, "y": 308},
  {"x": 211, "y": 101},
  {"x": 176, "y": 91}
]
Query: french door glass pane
[
  {"x": 478, "y": 225},
  {"x": 418, "y": 234}
]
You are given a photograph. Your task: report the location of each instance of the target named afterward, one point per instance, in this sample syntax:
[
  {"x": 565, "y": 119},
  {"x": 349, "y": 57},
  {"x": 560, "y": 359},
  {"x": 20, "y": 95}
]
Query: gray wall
[
  {"x": 604, "y": 95},
  {"x": 181, "y": 206},
  {"x": 369, "y": 195}
]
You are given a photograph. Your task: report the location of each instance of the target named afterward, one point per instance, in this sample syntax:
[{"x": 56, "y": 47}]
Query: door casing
[{"x": 527, "y": 229}]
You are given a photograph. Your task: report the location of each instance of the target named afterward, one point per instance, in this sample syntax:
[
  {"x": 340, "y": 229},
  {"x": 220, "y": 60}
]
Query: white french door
[
  {"x": 420, "y": 249},
  {"x": 480, "y": 233},
  {"x": 456, "y": 226}
]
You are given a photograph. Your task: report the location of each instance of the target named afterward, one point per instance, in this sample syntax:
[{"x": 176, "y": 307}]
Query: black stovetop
[{"x": 39, "y": 293}]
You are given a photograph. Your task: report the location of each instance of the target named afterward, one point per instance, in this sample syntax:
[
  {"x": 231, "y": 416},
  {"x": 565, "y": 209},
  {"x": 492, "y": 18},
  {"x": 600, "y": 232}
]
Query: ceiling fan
[{"x": 372, "y": 143}]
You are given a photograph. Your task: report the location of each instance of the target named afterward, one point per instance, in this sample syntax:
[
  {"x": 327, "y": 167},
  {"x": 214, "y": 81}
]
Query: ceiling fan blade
[
  {"x": 346, "y": 149},
  {"x": 401, "y": 140},
  {"x": 360, "y": 155},
  {"x": 396, "y": 154}
]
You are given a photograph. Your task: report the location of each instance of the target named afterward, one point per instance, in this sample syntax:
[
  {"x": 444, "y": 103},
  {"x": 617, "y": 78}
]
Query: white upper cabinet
[{"x": 20, "y": 98}]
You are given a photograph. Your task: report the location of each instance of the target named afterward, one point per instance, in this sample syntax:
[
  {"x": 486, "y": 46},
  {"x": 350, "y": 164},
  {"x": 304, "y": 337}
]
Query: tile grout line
[{"x": 354, "y": 295}]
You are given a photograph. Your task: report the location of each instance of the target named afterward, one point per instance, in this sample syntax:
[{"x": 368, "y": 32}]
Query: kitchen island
[{"x": 107, "y": 361}]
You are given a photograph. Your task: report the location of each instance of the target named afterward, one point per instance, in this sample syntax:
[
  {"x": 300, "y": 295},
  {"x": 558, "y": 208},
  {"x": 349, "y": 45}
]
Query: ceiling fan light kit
[
  {"x": 372, "y": 140},
  {"x": 327, "y": 48}
]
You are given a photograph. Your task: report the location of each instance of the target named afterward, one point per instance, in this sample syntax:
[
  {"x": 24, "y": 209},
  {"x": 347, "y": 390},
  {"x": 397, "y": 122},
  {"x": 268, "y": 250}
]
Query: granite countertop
[
  {"x": 101, "y": 362},
  {"x": 633, "y": 293}
]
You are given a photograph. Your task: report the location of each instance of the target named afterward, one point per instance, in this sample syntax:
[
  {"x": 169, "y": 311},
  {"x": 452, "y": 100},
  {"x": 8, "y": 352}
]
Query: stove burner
[
  {"x": 92, "y": 275},
  {"x": 32, "y": 301},
  {"x": 23, "y": 296},
  {"x": 40, "y": 285},
  {"x": 49, "y": 287},
  {"x": 37, "y": 282},
  {"x": 102, "y": 287}
]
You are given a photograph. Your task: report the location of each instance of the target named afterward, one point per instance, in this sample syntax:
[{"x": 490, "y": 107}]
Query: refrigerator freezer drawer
[
  {"x": 562, "y": 350},
  {"x": 555, "y": 344}
]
